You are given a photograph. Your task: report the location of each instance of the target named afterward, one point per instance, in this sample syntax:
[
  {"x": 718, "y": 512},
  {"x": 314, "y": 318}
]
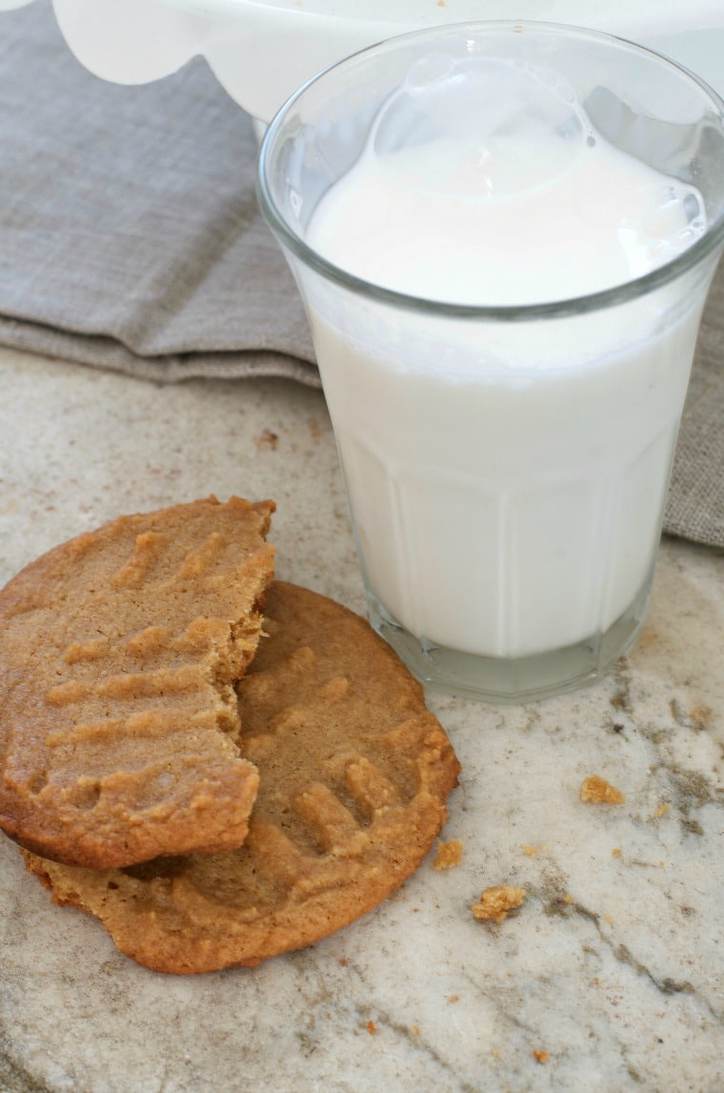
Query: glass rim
[{"x": 609, "y": 297}]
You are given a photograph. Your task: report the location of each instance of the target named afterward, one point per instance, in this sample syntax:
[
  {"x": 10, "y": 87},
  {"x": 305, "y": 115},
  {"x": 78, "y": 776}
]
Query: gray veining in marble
[{"x": 614, "y": 965}]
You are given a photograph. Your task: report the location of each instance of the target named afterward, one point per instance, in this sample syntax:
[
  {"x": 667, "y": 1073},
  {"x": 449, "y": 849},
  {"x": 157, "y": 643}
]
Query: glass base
[{"x": 508, "y": 680}]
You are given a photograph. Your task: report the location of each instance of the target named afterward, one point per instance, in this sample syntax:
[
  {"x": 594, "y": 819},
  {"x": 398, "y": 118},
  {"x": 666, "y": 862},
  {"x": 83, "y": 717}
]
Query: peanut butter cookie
[
  {"x": 354, "y": 775},
  {"x": 119, "y": 651}
]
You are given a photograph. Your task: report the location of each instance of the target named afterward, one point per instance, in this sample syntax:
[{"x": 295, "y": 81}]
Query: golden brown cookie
[
  {"x": 354, "y": 776},
  {"x": 118, "y": 715}
]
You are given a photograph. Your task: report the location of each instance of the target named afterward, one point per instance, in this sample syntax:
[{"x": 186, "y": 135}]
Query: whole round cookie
[
  {"x": 119, "y": 651},
  {"x": 354, "y": 776}
]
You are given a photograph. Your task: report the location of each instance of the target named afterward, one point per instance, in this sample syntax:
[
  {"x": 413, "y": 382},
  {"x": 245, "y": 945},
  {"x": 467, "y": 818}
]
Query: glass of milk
[{"x": 504, "y": 234}]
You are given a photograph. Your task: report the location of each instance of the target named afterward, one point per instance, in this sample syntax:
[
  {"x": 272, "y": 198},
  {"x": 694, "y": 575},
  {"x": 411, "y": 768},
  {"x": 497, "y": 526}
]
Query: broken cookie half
[{"x": 119, "y": 655}]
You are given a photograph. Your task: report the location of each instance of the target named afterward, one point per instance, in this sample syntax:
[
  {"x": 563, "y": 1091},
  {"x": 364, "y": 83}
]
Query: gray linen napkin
[
  {"x": 130, "y": 239},
  {"x": 695, "y": 508},
  {"x": 130, "y": 236}
]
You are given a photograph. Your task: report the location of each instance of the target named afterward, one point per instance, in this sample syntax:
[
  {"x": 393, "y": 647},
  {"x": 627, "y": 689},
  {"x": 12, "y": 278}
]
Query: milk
[{"x": 506, "y": 479}]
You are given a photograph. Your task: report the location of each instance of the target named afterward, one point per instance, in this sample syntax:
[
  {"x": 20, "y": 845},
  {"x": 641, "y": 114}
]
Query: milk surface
[{"x": 506, "y": 479}]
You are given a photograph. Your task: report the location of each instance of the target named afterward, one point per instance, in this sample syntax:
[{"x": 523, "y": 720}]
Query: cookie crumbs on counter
[
  {"x": 662, "y": 810},
  {"x": 700, "y": 717},
  {"x": 448, "y": 855},
  {"x": 343, "y": 961},
  {"x": 414, "y": 1030},
  {"x": 371, "y": 1028},
  {"x": 531, "y": 850},
  {"x": 453, "y": 998},
  {"x": 541, "y": 1057},
  {"x": 496, "y": 902},
  {"x": 617, "y": 852},
  {"x": 267, "y": 439},
  {"x": 597, "y": 791}
]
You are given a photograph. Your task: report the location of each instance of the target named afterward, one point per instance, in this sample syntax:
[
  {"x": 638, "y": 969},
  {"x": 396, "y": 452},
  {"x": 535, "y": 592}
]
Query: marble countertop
[{"x": 613, "y": 966}]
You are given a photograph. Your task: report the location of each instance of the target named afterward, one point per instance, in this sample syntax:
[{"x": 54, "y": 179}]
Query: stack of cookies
[{"x": 218, "y": 766}]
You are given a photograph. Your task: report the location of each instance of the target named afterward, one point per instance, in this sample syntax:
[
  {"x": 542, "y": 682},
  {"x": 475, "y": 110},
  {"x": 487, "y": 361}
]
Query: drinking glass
[{"x": 506, "y": 466}]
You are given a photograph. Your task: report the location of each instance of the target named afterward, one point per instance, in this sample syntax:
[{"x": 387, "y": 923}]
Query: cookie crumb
[
  {"x": 343, "y": 961},
  {"x": 414, "y": 1030},
  {"x": 617, "y": 852},
  {"x": 267, "y": 439},
  {"x": 541, "y": 1057},
  {"x": 497, "y": 901},
  {"x": 568, "y": 898},
  {"x": 371, "y": 1028},
  {"x": 531, "y": 850},
  {"x": 609, "y": 920},
  {"x": 453, "y": 998},
  {"x": 448, "y": 855},
  {"x": 700, "y": 717},
  {"x": 597, "y": 791},
  {"x": 662, "y": 810}
]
